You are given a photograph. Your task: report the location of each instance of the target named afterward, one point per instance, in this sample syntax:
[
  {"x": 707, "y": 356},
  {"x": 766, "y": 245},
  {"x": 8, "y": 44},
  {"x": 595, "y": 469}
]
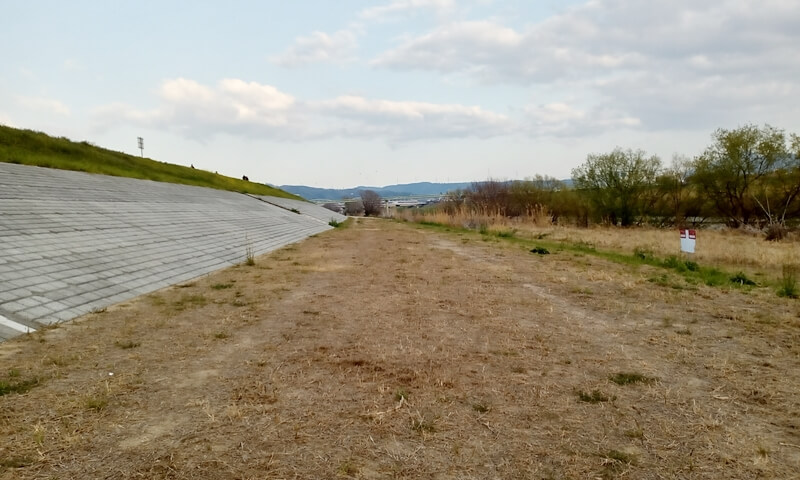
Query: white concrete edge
[{"x": 15, "y": 326}]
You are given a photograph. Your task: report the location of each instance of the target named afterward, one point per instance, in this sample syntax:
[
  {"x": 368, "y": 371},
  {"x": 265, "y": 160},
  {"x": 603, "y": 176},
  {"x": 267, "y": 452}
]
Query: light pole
[{"x": 141, "y": 145}]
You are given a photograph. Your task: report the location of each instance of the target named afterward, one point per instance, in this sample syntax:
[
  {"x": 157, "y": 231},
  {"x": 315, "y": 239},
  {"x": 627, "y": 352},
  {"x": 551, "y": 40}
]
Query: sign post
[
  {"x": 688, "y": 240},
  {"x": 141, "y": 145}
]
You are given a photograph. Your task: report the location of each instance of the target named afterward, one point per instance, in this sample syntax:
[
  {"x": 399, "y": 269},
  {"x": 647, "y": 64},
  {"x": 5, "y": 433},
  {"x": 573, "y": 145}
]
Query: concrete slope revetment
[{"x": 72, "y": 242}]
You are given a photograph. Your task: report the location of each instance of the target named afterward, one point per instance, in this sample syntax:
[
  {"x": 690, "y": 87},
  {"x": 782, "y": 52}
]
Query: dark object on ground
[{"x": 540, "y": 250}]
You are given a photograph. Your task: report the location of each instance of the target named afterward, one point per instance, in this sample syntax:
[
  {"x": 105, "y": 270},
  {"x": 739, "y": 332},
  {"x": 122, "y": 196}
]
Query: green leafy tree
[
  {"x": 734, "y": 171},
  {"x": 618, "y": 185},
  {"x": 677, "y": 196}
]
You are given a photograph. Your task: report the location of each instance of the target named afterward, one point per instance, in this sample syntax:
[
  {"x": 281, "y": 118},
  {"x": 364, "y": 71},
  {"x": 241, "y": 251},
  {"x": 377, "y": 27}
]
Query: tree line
[{"x": 747, "y": 176}]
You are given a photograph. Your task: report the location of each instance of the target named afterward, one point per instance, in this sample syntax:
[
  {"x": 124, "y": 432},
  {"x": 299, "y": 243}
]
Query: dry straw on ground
[
  {"x": 384, "y": 350},
  {"x": 720, "y": 247}
]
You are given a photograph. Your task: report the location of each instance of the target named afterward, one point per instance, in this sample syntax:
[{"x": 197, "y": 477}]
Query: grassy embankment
[{"x": 27, "y": 147}]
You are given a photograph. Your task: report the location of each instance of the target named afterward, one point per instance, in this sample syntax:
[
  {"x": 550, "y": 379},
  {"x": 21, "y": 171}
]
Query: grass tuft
[
  {"x": 221, "y": 286},
  {"x": 621, "y": 457},
  {"x": 97, "y": 403},
  {"x": 741, "y": 279},
  {"x": 540, "y": 250},
  {"x": 19, "y": 387},
  {"x": 596, "y": 396},
  {"x": 127, "y": 345},
  {"x": 627, "y": 378},
  {"x": 788, "y": 284},
  {"x": 15, "y": 462},
  {"x": 401, "y": 394}
]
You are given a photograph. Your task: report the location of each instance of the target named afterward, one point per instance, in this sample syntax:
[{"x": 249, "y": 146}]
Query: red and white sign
[{"x": 688, "y": 240}]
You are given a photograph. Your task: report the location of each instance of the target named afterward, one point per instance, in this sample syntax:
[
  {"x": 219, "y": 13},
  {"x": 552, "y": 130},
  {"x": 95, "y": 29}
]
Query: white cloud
[
  {"x": 46, "y": 105},
  {"x": 658, "y": 62},
  {"x": 254, "y": 110},
  {"x": 405, "y": 6},
  {"x": 560, "y": 119},
  {"x": 320, "y": 47},
  {"x": 196, "y": 110},
  {"x": 402, "y": 121}
]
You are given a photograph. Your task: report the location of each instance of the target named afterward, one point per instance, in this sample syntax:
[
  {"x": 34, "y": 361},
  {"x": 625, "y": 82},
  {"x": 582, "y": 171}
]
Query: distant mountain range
[{"x": 401, "y": 190}]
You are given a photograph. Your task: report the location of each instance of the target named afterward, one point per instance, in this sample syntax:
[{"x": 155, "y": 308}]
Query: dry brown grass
[
  {"x": 387, "y": 351},
  {"x": 725, "y": 248}
]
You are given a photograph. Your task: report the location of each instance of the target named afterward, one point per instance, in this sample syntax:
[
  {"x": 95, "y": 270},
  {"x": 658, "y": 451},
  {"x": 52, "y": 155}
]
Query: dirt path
[{"x": 387, "y": 351}]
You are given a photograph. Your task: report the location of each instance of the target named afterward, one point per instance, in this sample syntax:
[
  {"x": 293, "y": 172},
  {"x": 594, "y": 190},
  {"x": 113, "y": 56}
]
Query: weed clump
[
  {"x": 20, "y": 386},
  {"x": 540, "y": 250},
  {"x": 643, "y": 253},
  {"x": 741, "y": 279},
  {"x": 401, "y": 395},
  {"x": 596, "y": 396},
  {"x": 627, "y": 378},
  {"x": 335, "y": 224},
  {"x": 127, "y": 345},
  {"x": 788, "y": 287}
]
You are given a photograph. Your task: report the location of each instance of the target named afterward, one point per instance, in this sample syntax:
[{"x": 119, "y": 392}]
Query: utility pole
[{"x": 141, "y": 145}]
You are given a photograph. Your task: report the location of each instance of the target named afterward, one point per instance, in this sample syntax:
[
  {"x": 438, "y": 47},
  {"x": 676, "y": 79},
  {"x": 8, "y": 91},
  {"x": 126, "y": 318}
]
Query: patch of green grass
[
  {"x": 505, "y": 234},
  {"x": 190, "y": 301},
  {"x": 96, "y": 402},
  {"x": 627, "y": 378},
  {"x": 28, "y": 147},
  {"x": 595, "y": 396},
  {"x": 127, "y": 345},
  {"x": 17, "y": 386},
  {"x": 335, "y": 224},
  {"x": 691, "y": 271},
  {"x": 221, "y": 286},
  {"x": 430, "y": 224},
  {"x": 643, "y": 253},
  {"x": 788, "y": 283}
]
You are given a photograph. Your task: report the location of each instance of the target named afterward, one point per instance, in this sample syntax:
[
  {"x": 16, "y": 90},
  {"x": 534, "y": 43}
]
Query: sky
[{"x": 344, "y": 93}]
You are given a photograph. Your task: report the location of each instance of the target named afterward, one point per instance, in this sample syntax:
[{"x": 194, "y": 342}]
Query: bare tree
[
  {"x": 334, "y": 207},
  {"x": 353, "y": 207},
  {"x": 372, "y": 202}
]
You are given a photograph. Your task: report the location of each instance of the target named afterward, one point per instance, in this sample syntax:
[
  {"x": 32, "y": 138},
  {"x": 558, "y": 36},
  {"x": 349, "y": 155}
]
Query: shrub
[
  {"x": 788, "y": 286},
  {"x": 741, "y": 279},
  {"x": 775, "y": 232}
]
